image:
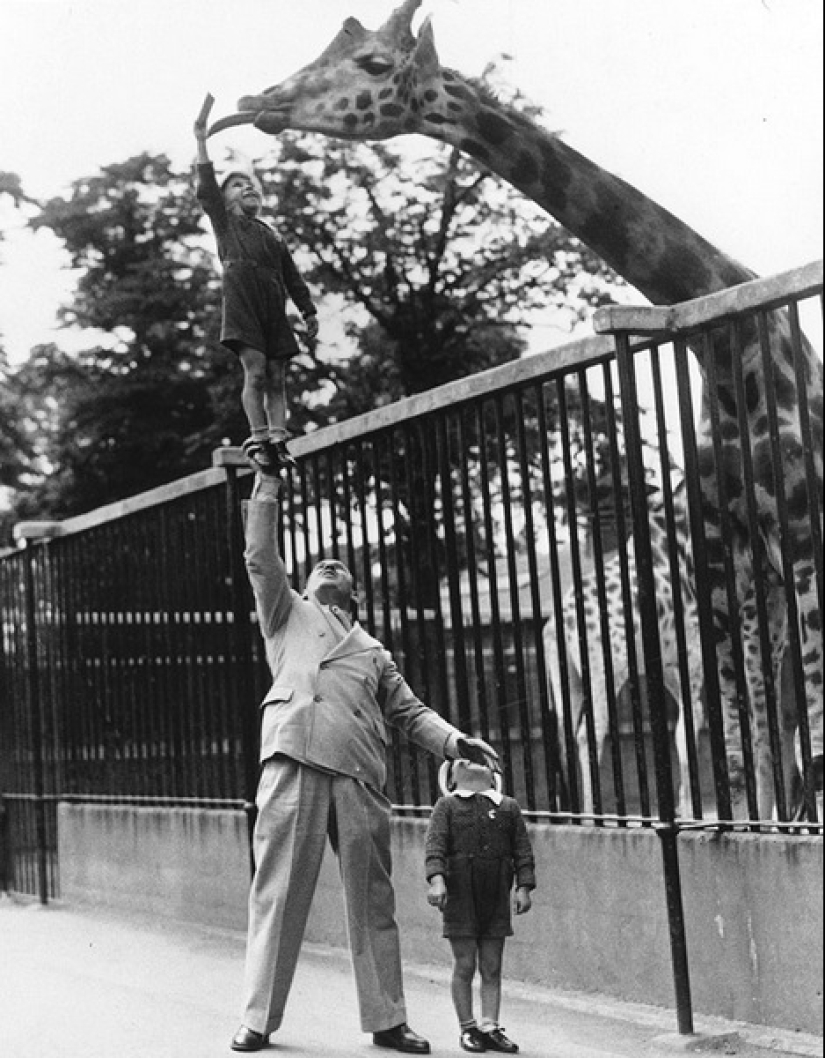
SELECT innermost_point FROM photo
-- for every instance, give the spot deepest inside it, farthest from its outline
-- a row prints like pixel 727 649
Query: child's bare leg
pixel 253 394
pixel 275 397
pixel 491 957
pixel 464 968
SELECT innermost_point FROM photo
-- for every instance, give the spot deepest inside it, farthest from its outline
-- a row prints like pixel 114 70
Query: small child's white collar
pixel 495 795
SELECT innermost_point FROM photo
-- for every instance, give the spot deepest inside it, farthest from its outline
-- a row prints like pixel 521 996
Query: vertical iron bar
pixel 668 833
pixel 36 722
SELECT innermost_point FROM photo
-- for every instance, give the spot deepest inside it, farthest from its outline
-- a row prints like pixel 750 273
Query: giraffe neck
pixel 646 244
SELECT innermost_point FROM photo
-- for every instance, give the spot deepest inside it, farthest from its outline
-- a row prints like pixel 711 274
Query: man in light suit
pixel 323 754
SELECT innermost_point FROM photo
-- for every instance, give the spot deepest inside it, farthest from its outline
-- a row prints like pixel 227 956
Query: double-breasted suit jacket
pixel 334 691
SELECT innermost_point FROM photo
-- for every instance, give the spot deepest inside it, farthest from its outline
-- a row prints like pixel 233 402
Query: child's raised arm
pixel 200 127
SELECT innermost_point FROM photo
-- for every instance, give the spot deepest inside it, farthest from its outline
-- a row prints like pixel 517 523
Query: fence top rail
pixel 518 372
pixel 35 532
pixel 724 304
pixel 639 320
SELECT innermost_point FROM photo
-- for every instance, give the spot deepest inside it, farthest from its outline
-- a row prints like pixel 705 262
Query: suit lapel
pixel 354 642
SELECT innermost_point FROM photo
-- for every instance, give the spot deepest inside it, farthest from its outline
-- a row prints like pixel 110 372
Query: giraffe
pixel 376 84
pixel 600 596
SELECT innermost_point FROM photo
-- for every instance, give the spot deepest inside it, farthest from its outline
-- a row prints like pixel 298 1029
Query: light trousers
pixel 298 809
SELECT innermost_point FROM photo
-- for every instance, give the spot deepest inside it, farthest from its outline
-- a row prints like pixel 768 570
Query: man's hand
pixel 437 895
pixel 478 751
pixel 523 901
pixel 267 487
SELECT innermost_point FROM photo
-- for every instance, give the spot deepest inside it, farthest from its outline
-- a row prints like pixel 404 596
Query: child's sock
pixel 487 1025
pixel 259 433
pixel 277 433
pixel 471 1024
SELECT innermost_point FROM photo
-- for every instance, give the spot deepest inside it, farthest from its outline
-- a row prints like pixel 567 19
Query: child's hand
pixel 523 901
pixel 203 117
pixel 437 896
pixel 311 323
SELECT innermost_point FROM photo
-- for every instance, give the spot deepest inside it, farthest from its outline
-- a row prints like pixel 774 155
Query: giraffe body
pixel 601 601
pixel 375 84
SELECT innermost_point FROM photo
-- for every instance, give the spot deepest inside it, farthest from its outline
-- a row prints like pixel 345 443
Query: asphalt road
pixel 78 983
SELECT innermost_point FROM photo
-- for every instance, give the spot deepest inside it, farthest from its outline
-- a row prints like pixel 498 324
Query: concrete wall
pixel 753 904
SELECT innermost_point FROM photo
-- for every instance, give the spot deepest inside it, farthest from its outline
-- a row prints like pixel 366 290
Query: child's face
pixel 242 194
pixel 470 776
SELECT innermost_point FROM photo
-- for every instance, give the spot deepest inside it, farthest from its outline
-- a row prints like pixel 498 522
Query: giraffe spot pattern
pixel 476 149
pixel 363 100
pixel 391 110
pixel 525 170
pixel 494 128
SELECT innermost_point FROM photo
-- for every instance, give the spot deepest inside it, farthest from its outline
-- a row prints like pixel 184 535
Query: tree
pixel 135 410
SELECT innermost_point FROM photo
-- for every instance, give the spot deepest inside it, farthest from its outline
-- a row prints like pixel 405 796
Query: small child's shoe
pixel 495 1040
pixel 281 454
pixel 259 455
pixel 473 1039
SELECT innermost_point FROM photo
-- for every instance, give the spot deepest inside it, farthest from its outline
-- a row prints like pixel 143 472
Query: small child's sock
pixel 487 1025
pixel 259 433
pixel 471 1024
pixel 277 433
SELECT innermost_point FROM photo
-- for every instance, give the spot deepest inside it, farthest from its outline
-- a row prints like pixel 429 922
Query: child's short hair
pixel 245 173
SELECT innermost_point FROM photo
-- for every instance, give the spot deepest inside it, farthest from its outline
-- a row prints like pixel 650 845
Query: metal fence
pixel 530 544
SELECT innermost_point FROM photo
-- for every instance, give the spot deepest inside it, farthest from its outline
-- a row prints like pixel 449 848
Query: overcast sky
pixel 712 107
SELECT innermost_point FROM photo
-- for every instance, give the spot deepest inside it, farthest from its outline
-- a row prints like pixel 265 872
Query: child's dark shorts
pixel 478 897
pixel 254 311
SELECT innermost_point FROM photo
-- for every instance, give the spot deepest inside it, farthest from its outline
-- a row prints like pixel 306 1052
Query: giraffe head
pixel 367 84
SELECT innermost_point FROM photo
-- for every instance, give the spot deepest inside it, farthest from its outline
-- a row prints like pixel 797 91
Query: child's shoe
pixel 281 454
pixel 472 1039
pixel 259 455
pixel 495 1040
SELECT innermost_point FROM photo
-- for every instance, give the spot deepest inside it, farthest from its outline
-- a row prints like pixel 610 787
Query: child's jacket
pixel 476 827
pixel 258 275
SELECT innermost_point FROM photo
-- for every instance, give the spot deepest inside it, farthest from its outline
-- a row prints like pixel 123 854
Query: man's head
pixel 332 584
pixel 242 193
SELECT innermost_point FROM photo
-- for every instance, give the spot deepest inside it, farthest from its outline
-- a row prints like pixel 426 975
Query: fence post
pixel 27 532
pixel 241 635
pixel 667 830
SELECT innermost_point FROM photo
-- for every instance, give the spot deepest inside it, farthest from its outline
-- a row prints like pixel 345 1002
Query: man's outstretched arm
pixel 264 564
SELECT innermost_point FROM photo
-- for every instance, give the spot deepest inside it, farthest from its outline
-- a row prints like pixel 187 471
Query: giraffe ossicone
pixel 375 84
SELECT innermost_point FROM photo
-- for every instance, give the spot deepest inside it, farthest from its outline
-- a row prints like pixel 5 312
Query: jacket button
pixel 318 698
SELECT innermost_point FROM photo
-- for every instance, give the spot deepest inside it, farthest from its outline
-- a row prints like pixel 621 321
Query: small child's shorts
pixel 478 897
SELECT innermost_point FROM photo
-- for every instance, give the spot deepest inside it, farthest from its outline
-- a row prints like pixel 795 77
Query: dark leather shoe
pixel 497 1041
pixel 472 1039
pixel 248 1040
pixel 401 1038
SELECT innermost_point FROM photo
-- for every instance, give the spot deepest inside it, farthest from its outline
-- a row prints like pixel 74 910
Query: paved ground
pixel 81 984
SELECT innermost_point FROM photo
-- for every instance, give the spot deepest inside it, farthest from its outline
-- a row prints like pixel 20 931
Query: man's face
pixel 331 583
pixel 242 194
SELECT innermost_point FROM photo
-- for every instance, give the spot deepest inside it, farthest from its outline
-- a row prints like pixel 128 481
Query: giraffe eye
pixel 374 66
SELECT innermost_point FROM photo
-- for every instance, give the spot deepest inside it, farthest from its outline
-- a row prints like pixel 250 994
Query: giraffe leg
pixel 810 697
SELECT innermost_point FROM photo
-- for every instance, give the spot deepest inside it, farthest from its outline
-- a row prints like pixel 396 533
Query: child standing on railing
pixel 477 846
pixel 258 274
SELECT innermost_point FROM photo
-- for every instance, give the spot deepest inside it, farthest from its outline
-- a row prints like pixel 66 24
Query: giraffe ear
pixel 426 56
